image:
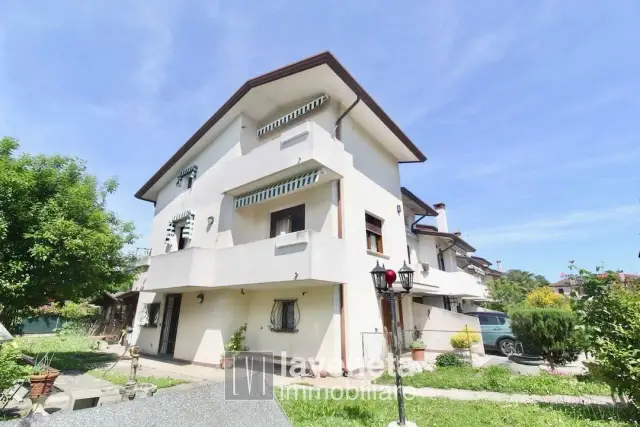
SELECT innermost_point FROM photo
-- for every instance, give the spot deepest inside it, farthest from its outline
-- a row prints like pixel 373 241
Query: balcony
pixel 308 256
pixel 302 148
pixel 438 282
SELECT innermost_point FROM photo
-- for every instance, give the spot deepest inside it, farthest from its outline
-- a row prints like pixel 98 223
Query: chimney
pixel 499 265
pixel 441 219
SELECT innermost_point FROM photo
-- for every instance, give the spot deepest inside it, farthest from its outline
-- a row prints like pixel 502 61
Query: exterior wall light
pixel 200 298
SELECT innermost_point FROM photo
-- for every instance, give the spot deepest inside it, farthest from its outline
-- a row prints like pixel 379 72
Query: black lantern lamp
pixel 378 275
pixel 406 277
pixel 383 281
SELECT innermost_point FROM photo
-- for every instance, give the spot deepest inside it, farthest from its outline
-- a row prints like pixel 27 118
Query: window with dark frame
pixel 374 233
pixel 446 302
pixel 561 291
pixel 287 221
pixel 153 314
pixel 182 241
pixel 190 182
pixel 285 316
pixel 440 260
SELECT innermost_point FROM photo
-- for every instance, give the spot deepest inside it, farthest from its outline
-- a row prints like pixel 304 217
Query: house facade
pixel 273 214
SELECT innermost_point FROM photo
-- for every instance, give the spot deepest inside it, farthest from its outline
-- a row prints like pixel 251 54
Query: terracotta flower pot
pixel 417 354
pixel 42 384
pixel 226 362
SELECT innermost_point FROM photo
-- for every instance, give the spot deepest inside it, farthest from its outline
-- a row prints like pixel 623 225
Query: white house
pixel 273 214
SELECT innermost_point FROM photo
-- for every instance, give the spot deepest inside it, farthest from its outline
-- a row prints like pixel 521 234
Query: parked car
pixel 496 331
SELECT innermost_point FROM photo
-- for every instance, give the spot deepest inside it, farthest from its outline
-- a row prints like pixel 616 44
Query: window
pixel 287 221
pixel 285 316
pixel 561 291
pixel 374 233
pixel 408 255
pixel 447 303
pixel 182 241
pixel 487 319
pixel 152 315
pixel 417 300
pixel 440 260
pixel 190 182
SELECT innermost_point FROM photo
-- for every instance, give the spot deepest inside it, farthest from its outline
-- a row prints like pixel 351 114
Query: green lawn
pixel 120 379
pixel 500 379
pixel 318 411
pixel 70 352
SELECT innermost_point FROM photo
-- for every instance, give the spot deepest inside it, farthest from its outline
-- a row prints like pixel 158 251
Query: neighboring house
pixel 274 213
pixel 434 251
pixel 571 285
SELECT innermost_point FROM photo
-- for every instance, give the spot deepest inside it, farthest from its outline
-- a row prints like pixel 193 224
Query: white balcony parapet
pixel 303 148
pixel 454 283
pixel 302 255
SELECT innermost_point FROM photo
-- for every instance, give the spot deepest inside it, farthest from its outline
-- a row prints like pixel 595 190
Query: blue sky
pixel 528 111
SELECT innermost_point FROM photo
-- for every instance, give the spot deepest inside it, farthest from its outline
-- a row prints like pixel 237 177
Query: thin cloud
pixel 562 227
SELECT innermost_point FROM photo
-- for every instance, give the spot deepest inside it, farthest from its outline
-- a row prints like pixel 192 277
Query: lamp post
pixel 383 282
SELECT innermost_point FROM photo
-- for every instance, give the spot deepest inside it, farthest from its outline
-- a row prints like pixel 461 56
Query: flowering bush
pixel 544 297
pixel 51 309
pixel 465 338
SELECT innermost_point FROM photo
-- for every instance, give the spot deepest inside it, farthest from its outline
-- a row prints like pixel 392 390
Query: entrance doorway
pixel 385 309
pixel 170 324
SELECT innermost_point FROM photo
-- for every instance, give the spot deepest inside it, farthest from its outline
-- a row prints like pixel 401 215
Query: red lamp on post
pixel 383 281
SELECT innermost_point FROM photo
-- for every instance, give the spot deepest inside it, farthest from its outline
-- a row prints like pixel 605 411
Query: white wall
pixel 204 328
pixel 439 325
pixel 319 326
pixel 147 338
pixel 372 186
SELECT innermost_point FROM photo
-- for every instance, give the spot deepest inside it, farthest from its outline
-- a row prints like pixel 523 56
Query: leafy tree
pixel 511 289
pixel 58 241
pixel 610 315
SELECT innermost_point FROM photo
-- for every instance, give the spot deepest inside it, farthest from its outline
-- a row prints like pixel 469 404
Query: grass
pixel 119 378
pixel 500 379
pixel 350 411
pixel 70 352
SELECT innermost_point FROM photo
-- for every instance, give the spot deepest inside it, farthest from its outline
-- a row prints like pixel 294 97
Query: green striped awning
pixel 279 189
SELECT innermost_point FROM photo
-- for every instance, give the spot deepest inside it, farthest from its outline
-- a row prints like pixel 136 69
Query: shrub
pixel 544 297
pixel 417 345
pixel 10 370
pixel 78 311
pixel 548 332
pixel 449 359
pixel 610 316
pixel 236 342
pixel 465 338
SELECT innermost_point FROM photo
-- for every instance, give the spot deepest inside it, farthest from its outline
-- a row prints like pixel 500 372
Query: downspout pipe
pixel 343 115
pixel 413 229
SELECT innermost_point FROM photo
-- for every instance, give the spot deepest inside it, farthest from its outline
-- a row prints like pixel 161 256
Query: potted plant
pixel 417 350
pixel 463 341
pixel 233 347
pixel 42 377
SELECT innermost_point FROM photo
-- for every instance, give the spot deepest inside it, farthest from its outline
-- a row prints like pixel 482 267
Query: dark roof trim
pixel 457 240
pixel 482 260
pixel 428 210
pixel 296 67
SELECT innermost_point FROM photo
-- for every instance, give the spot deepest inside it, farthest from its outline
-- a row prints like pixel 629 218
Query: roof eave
pixel 297 67
pixel 428 210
